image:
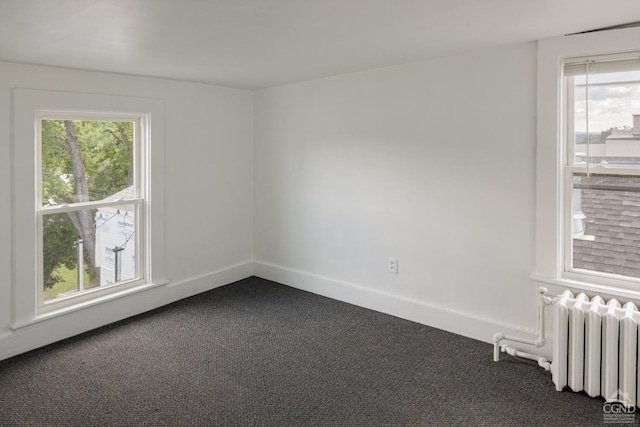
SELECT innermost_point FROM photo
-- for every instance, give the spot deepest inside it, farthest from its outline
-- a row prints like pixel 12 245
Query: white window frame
pixel 552 197
pixel 571 168
pixel 29 108
pixel 140 141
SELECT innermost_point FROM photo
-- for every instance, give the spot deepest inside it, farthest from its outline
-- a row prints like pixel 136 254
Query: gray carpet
pixel 256 353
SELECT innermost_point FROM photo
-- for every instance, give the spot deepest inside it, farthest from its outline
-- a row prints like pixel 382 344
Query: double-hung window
pixel 90 199
pixel 588 162
pixel 88 187
pixel 602 172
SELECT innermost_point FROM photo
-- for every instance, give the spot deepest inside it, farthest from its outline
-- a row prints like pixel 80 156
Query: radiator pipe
pixel 542 361
pixel 540 341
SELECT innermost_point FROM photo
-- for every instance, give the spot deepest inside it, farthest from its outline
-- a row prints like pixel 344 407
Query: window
pixel 88 210
pixel 602 172
pixel 89 204
pixel 588 162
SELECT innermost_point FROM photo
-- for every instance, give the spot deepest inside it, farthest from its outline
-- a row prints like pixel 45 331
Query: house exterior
pixel 115 242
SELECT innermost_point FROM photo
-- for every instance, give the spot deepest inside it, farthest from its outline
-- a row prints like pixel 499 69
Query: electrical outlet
pixel 393 265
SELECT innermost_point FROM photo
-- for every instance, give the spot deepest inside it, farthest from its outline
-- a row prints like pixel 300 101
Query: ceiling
pixel 253 44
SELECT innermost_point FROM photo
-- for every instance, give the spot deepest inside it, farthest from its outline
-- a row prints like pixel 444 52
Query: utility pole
pixel 80 246
pixel 118 258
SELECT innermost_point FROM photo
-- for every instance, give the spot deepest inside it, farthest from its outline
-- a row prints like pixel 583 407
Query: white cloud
pixel 610 105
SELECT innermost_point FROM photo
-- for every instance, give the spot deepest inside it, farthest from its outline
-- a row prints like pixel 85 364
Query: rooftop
pixel 613 218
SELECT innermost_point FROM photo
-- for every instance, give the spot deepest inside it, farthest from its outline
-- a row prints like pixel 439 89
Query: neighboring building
pixel 610 239
pixel 616 146
pixel 115 240
pixel 624 145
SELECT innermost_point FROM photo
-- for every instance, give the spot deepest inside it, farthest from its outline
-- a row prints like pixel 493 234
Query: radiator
pixel 595 347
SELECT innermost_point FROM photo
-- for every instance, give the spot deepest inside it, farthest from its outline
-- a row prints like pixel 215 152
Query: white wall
pixel 432 163
pixel 208 183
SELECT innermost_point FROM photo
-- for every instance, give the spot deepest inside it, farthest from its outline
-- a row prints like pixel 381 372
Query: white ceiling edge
pixel 254 44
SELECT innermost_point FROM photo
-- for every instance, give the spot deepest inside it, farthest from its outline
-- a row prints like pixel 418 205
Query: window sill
pixel 594 288
pixel 86 304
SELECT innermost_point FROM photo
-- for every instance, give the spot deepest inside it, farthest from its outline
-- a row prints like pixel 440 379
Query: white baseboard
pixel 457 322
pixel 43 333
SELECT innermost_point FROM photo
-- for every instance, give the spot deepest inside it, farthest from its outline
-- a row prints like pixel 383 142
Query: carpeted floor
pixel 256 353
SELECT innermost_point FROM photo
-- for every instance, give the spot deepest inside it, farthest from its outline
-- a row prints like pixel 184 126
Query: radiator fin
pixel 561 344
pixel 609 367
pixel 596 347
pixel 576 344
pixel 628 353
pixel 593 348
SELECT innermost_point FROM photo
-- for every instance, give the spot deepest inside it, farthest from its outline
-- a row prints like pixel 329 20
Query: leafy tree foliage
pixel 81 161
pixel 59 237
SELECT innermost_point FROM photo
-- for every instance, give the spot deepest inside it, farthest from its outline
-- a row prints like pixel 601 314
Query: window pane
pixel 85 160
pixel 606 224
pixel 99 242
pixel 605 108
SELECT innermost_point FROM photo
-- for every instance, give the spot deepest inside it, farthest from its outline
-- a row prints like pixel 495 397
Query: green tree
pixel 81 161
pixel 59 236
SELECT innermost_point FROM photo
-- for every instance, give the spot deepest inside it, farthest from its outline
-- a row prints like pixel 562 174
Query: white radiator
pixel 595 347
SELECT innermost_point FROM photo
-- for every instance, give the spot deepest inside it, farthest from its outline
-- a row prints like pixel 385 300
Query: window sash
pixel 569 271
pixel 88 294
pixel 138 154
pixel 577 66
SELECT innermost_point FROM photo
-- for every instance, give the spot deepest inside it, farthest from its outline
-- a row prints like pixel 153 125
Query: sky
pixel 613 99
